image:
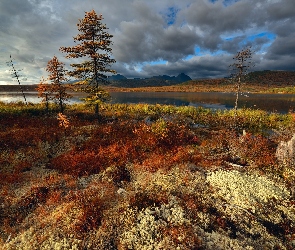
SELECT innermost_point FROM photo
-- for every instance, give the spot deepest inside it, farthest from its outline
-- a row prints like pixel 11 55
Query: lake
pixel 281 103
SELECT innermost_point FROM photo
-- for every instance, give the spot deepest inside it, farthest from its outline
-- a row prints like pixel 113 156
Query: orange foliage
pixel 120 143
pixel 255 149
pixel 91 202
pixel 124 146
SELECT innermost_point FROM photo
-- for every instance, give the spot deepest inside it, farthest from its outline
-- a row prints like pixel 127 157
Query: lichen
pixel 246 190
pixel 30 239
pixel 146 233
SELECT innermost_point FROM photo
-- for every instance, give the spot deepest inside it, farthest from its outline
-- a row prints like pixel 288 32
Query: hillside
pixel 265 78
pixel 270 78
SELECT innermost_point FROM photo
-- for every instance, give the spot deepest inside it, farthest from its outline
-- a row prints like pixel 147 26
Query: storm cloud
pixel 196 37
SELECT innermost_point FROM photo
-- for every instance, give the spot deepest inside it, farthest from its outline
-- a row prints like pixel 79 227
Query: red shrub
pixel 255 149
pixel 125 142
pixel 91 202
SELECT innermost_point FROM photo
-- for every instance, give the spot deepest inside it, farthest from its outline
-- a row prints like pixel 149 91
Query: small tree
pixel 56 90
pixel 240 69
pixel 44 91
pixel 93 42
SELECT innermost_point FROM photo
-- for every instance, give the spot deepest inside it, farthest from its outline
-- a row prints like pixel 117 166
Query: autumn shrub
pixel 9 178
pixel 171 158
pixel 19 138
pixel 92 202
pixel 227 146
pixel 123 142
pixel 254 150
pixel 13 213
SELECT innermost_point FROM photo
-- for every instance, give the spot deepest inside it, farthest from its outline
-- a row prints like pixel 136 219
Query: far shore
pixel 184 87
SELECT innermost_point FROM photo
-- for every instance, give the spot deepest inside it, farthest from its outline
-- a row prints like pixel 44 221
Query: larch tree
pixel 44 92
pixel 93 43
pixel 57 89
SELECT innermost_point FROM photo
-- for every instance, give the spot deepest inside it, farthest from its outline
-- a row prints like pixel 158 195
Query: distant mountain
pixel 116 77
pixel 163 77
pixel 161 80
pixel 183 78
pixel 179 79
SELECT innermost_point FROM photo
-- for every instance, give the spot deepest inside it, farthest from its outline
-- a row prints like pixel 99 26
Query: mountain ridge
pixel 160 80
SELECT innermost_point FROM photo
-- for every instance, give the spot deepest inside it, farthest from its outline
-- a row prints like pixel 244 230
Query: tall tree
pixel 57 89
pixel 93 42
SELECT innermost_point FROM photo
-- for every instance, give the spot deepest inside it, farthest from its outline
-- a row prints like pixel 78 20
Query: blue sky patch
pixel 170 15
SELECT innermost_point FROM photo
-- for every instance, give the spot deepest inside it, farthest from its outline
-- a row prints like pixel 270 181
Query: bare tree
pixel 240 68
pixel 16 75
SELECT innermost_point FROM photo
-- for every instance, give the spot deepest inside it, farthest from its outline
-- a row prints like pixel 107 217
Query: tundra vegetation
pixel 143 176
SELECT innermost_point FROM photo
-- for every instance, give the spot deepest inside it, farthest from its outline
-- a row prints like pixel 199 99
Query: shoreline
pixel 185 87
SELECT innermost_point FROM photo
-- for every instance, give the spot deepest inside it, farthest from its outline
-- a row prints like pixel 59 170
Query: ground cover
pixel 210 86
pixel 146 177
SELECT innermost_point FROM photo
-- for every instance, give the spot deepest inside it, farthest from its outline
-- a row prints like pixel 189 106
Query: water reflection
pixel 31 97
pixel 213 100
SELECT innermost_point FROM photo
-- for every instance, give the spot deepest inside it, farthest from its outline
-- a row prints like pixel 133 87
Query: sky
pixel 150 37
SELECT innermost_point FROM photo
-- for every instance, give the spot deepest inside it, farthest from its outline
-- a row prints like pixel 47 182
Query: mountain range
pixel 161 80
pixel 267 77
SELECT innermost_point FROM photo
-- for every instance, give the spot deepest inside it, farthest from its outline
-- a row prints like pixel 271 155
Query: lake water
pixel 281 103
pixel 213 100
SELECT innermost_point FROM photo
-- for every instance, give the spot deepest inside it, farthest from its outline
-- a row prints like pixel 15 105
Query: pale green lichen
pixel 217 241
pixel 246 190
pixel 204 219
pixel 30 240
pixel 146 232
pixel 288 210
pixel 178 179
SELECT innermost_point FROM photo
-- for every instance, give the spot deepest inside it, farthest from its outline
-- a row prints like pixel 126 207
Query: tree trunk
pixel 61 105
pixel 46 103
pixel 97 110
pixel 237 97
pixel 236 103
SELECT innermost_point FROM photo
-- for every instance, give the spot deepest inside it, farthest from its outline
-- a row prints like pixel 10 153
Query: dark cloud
pixel 280 10
pixel 197 37
pixel 215 17
pixel 197 67
pixel 282 46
